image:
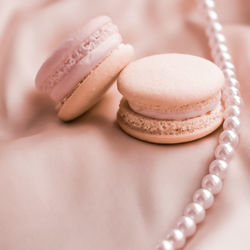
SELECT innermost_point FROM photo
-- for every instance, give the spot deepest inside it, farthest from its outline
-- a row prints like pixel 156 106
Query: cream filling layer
pixel 175 115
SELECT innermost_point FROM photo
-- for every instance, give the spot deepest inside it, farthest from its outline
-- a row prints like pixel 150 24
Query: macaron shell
pixel 170 80
pixel 70 62
pixel 91 89
pixel 168 131
pixel 66 49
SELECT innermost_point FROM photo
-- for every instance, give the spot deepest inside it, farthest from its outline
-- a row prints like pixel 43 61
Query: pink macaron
pixel 83 67
pixel 170 98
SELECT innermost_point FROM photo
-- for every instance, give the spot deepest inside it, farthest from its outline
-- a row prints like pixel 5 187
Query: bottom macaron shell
pixel 90 90
pixel 168 131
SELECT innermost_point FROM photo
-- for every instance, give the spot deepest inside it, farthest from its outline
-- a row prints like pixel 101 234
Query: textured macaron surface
pixel 76 56
pixel 168 131
pixel 170 81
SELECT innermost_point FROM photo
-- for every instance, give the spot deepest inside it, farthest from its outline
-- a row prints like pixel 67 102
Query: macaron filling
pixel 175 115
pixel 91 49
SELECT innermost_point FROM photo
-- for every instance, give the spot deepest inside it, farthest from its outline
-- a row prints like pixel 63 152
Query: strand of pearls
pixel 212 183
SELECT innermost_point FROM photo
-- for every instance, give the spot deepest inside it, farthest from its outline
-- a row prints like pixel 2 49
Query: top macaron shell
pixel 58 75
pixel 170 80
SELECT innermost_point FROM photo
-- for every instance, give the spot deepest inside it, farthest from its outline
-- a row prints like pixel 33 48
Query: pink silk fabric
pixel 86 184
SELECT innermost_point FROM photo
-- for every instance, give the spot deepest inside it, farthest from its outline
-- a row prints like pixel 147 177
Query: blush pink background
pixel 86 184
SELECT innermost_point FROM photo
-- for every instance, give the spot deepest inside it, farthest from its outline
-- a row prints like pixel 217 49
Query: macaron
pixel 83 67
pixel 170 98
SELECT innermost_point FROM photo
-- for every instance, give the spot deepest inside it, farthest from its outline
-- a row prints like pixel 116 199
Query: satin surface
pixel 86 184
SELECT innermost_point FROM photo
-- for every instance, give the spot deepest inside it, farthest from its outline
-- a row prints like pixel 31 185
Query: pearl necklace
pixel 211 184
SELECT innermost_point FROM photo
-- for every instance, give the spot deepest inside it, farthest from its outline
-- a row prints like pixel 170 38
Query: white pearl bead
pixel 177 238
pixel 204 197
pixel 213 28
pixel 195 211
pixel 165 245
pixel 224 152
pixel 229 136
pixel 222 48
pixel 232 123
pixel 232 111
pixel 219 168
pixel 231 90
pixel 217 49
pixel 233 82
pixel 212 15
pixel 225 56
pixel 216 26
pixel 228 72
pixel 212 182
pixel 233 100
pixel 209 4
pixel 220 37
pixel 186 225
pixel 227 65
